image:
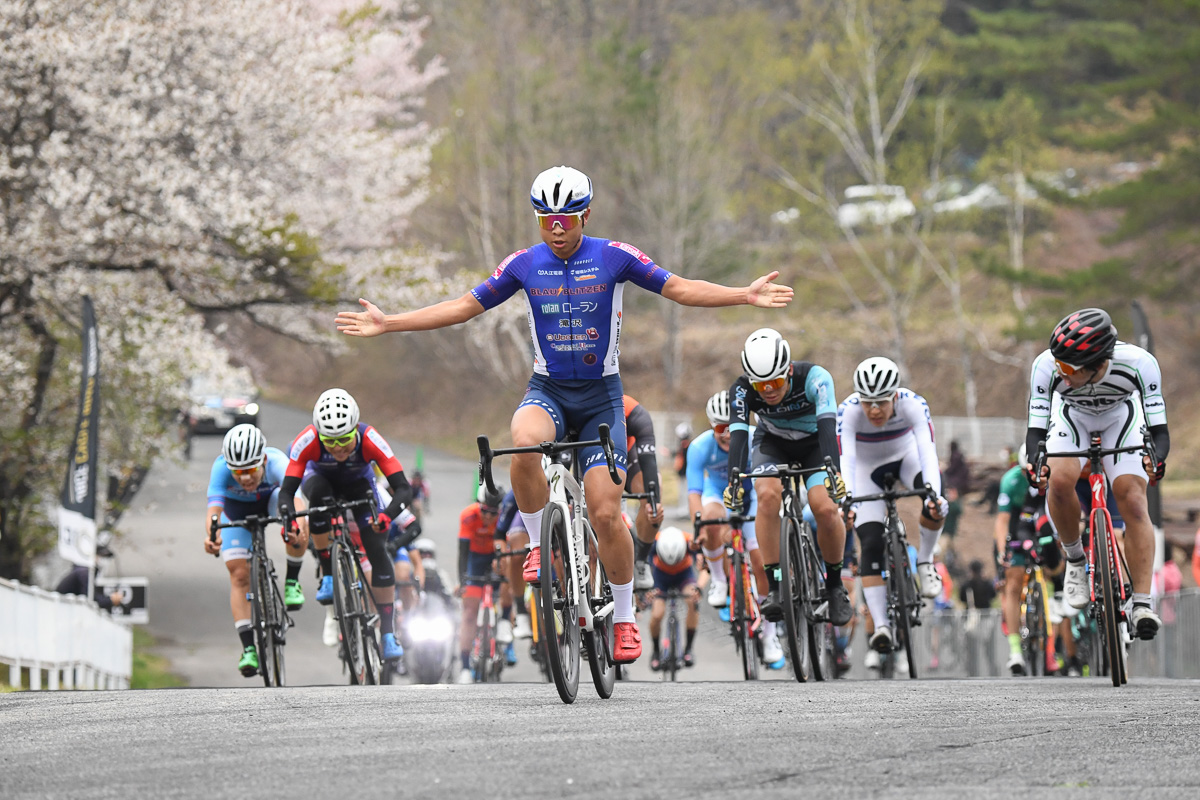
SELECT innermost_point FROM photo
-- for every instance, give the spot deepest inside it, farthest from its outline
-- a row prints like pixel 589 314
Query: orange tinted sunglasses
pixel 775 383
pixel 1067 369
pixel 720 427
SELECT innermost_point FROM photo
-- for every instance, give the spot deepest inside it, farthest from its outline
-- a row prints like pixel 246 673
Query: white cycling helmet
pixel 671 546
pixel 425 547
pixel 876 378
pixel 561 190
pixel 718 408
pixel 244 446
pixel 683 431
pixel 335 413
pixel 766 355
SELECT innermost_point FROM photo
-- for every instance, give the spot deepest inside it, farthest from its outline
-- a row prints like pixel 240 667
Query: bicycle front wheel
pixel 560 604
pixel 901 597
pixel 820 631
pixel 1034 641
pixel 671 652
pixel 792 586
pixel 1110 603
pixel 260 600
pixel 347 607
pixel 277 625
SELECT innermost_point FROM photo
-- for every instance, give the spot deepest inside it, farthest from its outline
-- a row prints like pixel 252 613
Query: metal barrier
pixel 67 637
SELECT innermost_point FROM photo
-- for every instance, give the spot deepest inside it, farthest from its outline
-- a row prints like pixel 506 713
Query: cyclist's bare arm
pixel 372 322
pixel 762 293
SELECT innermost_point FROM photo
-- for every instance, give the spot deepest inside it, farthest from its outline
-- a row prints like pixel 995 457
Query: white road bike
pixel 575 598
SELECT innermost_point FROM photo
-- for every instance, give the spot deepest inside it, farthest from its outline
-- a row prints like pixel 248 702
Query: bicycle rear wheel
pixel 599 640
pixel 820 633
pixel 792 586
pixel 1110 605
pixel 346 604
pixel 560 611
pixel 1033 643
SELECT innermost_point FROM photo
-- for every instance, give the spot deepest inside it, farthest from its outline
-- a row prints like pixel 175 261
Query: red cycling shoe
pixel 627 646
pixel 533 566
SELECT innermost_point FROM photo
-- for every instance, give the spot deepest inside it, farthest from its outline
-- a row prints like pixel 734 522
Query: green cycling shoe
pixel 293 595
pixel 249 663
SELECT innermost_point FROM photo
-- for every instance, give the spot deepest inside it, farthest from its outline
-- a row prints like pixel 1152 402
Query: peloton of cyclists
pixel 707 476
pixel 1085 382
pixel 884 429
pixel 245 480
pixel 332 459
pixel 574 286
pixel 797 424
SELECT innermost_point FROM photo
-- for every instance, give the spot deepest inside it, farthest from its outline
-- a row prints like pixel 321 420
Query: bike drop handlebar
pixel 1095 452
pixel 550 449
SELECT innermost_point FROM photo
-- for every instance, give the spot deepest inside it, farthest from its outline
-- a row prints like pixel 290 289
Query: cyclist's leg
pixel 1010 606
pixel 1068 432
pixel 318 492
pixel 472 595
pixel 657 611
pixel 691 594
pixel 514 570
pixel 539 418
pixel 1129 481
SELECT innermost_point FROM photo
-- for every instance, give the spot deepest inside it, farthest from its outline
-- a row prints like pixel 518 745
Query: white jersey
pixel 910 427
pixel 1131 371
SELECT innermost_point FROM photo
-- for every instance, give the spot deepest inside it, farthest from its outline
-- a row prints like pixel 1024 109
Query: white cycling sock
pixel 1074 551
pixel 533 525
pixel 876 597
pixel 929 539
pixel 622 602
pixel 769 629
pixel 714 563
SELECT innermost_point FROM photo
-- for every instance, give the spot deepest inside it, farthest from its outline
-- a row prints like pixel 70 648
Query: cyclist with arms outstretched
pixel 1088 382
pixel 574 286
pixel 245 481
pixel 797 424
pixel 332 459
pixel 884 428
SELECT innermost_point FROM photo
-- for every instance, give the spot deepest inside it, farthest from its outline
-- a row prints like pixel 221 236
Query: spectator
pixel 953 512
pixel 978 591
pixel 76 582
pixel 957 475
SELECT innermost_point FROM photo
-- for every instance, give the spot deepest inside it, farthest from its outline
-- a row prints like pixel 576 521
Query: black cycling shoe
pixel 840 610
pixel 771 608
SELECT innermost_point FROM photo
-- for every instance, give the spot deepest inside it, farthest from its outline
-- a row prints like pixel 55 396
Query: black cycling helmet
pixel 1084 338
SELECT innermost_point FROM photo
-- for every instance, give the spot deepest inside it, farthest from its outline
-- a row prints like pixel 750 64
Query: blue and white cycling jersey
pixel 708 465
pixel 574 306
pixel 223 486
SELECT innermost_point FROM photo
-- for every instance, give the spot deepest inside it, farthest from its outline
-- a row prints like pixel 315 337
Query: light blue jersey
pixel 223 486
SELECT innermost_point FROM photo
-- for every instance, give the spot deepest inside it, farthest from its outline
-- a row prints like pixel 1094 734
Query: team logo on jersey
pixel 591 276
pixel 302 442
pixel 633 251
pixel 500 269
pixel 592 333
pixel 550 308
pixel 380 442
pixel 589 359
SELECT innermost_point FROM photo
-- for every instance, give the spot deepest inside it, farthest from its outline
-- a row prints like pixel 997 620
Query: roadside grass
pixel 150 671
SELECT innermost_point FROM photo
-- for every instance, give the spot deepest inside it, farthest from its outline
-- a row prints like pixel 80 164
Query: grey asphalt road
pixel 189 590
pixel 927 739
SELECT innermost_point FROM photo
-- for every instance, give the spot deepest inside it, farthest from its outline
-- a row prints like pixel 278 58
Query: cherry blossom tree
pixel 175 159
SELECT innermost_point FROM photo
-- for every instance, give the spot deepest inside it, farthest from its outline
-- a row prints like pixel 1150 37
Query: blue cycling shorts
pixel 582 406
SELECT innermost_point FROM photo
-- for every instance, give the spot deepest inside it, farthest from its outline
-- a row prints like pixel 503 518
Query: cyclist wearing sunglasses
pixel 333 458
pixel 884 428
pixel 245 480
pixel 643 471
pixel 1087 382
pixel 797 424
pixel 573 285
pixel 707 476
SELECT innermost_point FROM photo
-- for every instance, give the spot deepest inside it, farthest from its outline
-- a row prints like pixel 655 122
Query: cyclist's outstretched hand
pixel 362 323
pixel 764 294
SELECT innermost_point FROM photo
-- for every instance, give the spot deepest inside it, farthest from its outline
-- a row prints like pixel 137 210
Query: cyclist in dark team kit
pixel 573 285
pixel 333 457
pixel 643 471
pixel 797 424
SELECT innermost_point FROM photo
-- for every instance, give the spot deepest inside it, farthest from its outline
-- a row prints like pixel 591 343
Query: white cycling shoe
pixel 643 578
pixel 773 653
pixel 931 581
pixel 329 633
pixel 718 594
pixel 871 661
pixel 881 640
pixel 524 628
pixel 1075 585
pixel 504 631
pixel 464 677
pixel 1145 622
pixel 1016 664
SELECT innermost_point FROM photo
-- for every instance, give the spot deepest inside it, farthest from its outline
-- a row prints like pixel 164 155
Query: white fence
pixel 68 638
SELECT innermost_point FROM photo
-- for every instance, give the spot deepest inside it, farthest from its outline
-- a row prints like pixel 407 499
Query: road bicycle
pixel 1035 629
pixel 745 620
pixel 487 657
pixel 802 590
pixel 671 641
pixel 903 598
pixel 1109 588
pixel 576 601
pixel 268 614
pixel 354 606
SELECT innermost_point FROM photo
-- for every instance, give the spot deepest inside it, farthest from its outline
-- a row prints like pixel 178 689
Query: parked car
pixel 216 406
pixel 874 205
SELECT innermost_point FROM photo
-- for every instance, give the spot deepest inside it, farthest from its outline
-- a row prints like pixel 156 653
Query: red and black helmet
pixel 1084 338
